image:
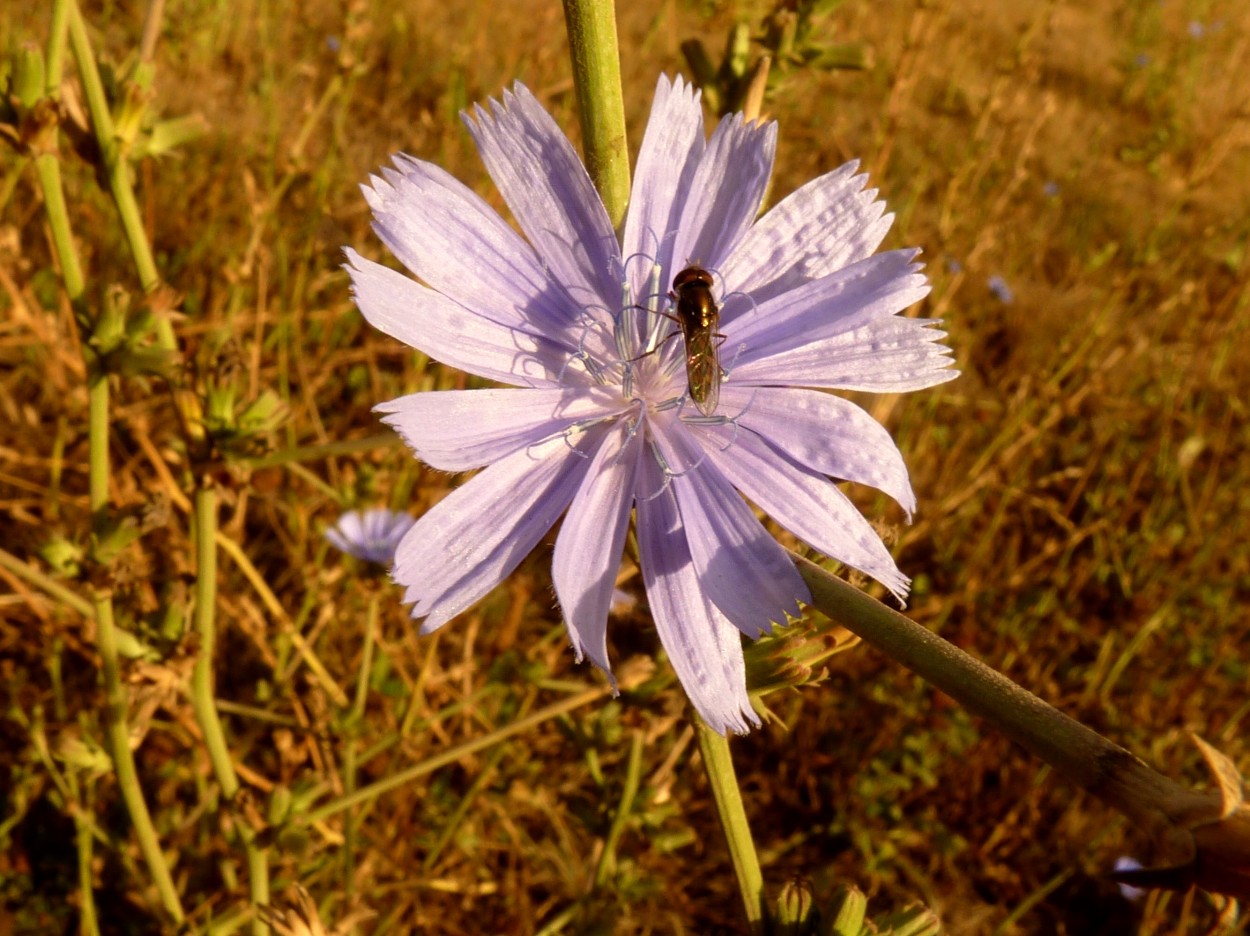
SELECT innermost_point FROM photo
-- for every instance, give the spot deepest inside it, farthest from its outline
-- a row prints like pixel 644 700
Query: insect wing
pixel 698 316
pixel 703 368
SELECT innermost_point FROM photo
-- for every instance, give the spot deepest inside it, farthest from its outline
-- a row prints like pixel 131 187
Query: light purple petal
pixel 890 355
pixel 475 536
pixel 423 319
pixel 743 570
pixel 588 548
pixel 704 648
pixel 875 288
pixel 806 503
pixel 725 193
pixel 670 154
pixel 550 194
pixel 826 433
pixel 459 246
pixel 829 223
pixel 458 430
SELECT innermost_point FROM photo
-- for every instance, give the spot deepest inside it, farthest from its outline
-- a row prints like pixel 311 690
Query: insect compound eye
pixel 690 276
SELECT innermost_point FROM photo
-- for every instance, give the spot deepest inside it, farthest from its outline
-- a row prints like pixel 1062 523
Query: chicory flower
pixel 595 421
pixel 372 536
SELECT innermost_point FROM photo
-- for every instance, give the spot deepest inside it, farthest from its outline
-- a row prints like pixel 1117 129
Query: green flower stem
pixel 274 607
pixel 629 790
pixel 65 596
pixel 1082 755
pixel 115 165
pixel 591 25
pixel 307 453
pixel 366 659
pixel 118 731
pixel 48 169
pixel 55 59
pixel 350 761
pixel 733 818
pixel 118 734
pixel 88 924
pixel 484 776
pixel 202 697
pixel 451 755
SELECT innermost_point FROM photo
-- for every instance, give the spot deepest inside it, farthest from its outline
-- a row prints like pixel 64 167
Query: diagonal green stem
pixel 733 819
pixel 591 26
pixel 66 596
pixel 633 777
pixel 1082 755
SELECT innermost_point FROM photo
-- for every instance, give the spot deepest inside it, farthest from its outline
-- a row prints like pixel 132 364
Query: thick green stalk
pixel 733 819
pixel 591 26
pixel 1080 754
pixel 202 696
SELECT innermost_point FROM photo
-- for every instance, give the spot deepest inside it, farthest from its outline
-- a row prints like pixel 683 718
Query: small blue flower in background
pixel 622 601
pixel 1050 189
pixel 594 422
pixel 1128 891
pixel 1197 29
pixel 371 536
pixel 998 286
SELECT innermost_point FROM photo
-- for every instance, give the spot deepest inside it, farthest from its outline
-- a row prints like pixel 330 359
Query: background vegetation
pixel 1083 485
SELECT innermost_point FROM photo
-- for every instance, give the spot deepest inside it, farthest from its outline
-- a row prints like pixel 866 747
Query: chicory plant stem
pixel 118 733
pixel 714 747
pixel 1079 753
pixel 117 729
pixel 591 26
pixel 353 722
pixel 202 695
pixel 116 168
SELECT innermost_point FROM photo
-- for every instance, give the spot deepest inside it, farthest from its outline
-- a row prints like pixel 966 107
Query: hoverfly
pixel 698 317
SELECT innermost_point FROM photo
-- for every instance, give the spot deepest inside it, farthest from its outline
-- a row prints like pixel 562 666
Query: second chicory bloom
pixel 595 422
pixel 372 536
